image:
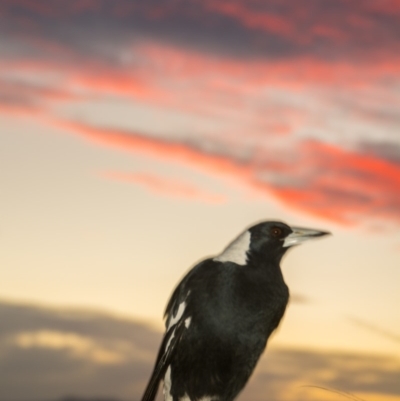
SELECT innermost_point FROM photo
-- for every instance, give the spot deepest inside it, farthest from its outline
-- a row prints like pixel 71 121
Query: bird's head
pixel 274 238
pixel 266 239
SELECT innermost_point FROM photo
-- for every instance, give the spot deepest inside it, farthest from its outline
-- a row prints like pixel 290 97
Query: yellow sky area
pixel 72 238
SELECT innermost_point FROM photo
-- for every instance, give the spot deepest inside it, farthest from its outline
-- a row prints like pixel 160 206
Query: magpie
pixel 221 315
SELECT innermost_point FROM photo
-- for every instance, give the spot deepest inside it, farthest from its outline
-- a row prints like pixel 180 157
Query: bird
pixel 221 315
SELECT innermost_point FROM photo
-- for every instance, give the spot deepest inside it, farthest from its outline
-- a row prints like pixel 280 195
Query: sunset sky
pixel 137 138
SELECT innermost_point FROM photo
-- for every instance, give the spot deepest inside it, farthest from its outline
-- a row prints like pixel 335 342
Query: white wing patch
pixel 167 385
pixel 236 251
pixel 175 318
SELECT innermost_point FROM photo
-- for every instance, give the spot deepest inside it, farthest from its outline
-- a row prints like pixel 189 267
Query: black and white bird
pixel 221 315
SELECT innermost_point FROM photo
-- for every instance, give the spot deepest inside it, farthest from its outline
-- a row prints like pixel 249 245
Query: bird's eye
pixel 276 232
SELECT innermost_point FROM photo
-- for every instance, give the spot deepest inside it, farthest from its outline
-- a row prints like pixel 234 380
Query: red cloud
pixel 252 19
pixel 162 150
pixel 193 82
pixel 166 186
pixel 316 178
pixel 323 180
pixel 313 177
pixel 105 82
pixel 343 185
pixel 19 110
pixel 305 22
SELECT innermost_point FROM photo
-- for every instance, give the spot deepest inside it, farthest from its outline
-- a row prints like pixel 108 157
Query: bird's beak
pixel 300 235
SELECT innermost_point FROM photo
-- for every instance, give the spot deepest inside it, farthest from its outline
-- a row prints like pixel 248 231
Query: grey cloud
pixel 51 373
pixel 386 150
pixel 331 29
pixel 21 318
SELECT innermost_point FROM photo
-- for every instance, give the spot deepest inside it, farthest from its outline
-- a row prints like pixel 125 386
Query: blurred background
pixel 137 138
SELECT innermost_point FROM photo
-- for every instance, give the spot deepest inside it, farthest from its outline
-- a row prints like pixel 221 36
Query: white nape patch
pixel 175 318
pixel 167 385
pixel 187 322
pixel 236 251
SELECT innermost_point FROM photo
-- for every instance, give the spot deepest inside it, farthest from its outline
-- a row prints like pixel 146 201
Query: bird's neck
pixel 266 268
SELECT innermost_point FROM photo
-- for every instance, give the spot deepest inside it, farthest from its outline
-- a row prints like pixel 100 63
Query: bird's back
pixel 228 329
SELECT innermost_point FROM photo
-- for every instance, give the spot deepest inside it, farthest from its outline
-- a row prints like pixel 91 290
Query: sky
pixel 137 138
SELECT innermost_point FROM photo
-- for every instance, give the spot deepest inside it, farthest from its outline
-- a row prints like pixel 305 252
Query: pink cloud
pixel 313 177
pixel 166 187
pixel 252 19
pixel 229 91
pixel 319 179
pixel 343 185
pixel 164 150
